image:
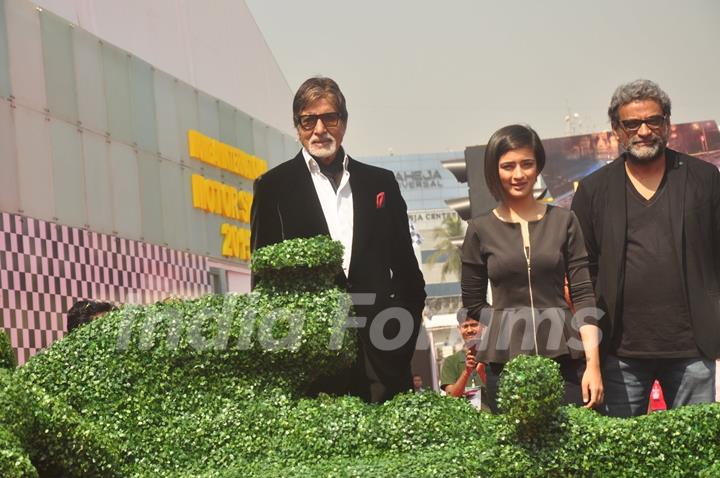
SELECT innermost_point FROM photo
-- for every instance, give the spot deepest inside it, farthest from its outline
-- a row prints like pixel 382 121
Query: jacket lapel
pixel 305 198
pixel 676 181
pixel 617 209
pixel 361 209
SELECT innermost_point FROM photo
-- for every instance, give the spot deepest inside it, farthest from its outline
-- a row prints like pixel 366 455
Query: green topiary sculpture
pixel 530 392
pixel 213 387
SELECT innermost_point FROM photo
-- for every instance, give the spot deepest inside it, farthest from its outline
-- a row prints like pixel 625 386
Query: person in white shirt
pixel 322 190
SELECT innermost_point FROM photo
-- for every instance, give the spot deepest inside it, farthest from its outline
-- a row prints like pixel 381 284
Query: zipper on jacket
pixel 528 256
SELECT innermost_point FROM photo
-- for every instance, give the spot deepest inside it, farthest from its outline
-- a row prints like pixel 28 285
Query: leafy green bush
pixel 530 392
pixel 213 387
pixel 57 440
pixel 711 471
pixel 7 354
pixel 13 459
pixel 299 263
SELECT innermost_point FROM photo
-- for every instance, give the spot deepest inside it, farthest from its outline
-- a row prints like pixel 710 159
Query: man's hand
pixel 470 362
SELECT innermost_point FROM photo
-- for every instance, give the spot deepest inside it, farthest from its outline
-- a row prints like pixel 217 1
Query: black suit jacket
pixel 694 189
pixel 286 206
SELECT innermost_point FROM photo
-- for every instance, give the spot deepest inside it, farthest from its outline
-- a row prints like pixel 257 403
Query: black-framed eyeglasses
pixel 653 122
pixel 308 122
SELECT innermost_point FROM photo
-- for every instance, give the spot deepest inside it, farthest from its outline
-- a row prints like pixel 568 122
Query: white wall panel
pixel 125 191
pixel 69 173
pixel 59 64
pixel 35 165
pixel 88 78
pixel 151 198
pixel 9 194
pixel 96 152
pixel 173 205
pixel 4 59
pixel 27 74
pixel 116 74
pixel 215 46
pixel 167 116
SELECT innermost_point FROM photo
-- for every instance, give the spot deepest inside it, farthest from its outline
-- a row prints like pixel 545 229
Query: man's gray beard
pixel 641 153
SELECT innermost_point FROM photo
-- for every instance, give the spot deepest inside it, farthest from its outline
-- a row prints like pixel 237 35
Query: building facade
pixel 119 181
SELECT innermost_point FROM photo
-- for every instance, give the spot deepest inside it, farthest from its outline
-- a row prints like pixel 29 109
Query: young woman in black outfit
pixel 527 250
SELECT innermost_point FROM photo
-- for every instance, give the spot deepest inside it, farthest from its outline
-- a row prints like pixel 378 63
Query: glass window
pixel 143 105
pixel 97 184
pixel 35 168
pixel 150 198
pixel 116 73
pixel 57 42
pixel 167 116
pixel 69 173
pixel 90 88
pixel 27 75
pixel 9 194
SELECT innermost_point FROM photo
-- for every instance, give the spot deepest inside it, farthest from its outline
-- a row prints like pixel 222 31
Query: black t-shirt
pixel 655 320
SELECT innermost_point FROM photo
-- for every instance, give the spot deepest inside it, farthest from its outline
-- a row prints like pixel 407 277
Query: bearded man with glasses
pixel 322 190
pixel 651 221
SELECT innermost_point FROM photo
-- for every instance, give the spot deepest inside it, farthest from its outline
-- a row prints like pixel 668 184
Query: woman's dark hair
pixel 509 138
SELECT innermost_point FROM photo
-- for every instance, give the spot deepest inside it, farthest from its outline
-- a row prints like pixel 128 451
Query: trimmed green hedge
pixel 212 387
pixel 711 471
pixel 529 395
pixel 309 264
pixel 7 354
pixel 56 439
pixel 14 461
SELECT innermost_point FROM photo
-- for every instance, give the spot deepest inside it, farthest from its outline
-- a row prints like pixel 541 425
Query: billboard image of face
pixel 571 158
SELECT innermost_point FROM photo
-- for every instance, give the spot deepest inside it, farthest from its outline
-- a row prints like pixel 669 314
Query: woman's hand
pixel 592 386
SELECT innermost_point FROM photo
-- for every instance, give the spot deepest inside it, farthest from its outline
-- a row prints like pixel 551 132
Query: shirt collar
pixel 312 162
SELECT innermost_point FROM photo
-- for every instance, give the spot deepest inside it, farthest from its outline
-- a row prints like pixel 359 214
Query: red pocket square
pixel 380 200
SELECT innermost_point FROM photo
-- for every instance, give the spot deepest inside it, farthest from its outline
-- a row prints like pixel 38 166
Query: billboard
pixel 572 158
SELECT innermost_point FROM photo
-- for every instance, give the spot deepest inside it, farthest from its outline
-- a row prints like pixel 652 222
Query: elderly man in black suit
pixel 324 191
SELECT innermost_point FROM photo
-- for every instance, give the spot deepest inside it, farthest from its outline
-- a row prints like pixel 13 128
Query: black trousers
pixel 362 380
pixel 571 370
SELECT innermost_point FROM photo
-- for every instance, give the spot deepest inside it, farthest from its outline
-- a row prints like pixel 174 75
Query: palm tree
pixel 447 236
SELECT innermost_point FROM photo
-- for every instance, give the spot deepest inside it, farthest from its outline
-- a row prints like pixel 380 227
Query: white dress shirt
pixel 337 205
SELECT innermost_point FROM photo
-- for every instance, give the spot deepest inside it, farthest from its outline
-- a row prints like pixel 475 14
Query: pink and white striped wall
pixel 46 267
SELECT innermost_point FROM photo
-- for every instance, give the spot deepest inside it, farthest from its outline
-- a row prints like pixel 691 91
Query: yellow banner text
pixel 236 242
pixel 218 198
pixel 224 156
